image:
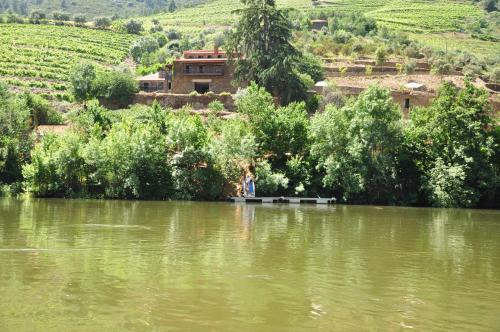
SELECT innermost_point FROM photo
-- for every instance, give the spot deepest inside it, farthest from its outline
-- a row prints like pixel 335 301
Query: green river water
pixel 71 265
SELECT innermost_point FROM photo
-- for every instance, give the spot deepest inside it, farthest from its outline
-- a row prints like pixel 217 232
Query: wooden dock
pixel 284 200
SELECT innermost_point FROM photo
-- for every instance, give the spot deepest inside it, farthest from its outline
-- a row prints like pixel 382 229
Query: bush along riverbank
pixel 360 150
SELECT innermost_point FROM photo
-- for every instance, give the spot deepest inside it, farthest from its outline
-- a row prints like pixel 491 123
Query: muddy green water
pixel 155 266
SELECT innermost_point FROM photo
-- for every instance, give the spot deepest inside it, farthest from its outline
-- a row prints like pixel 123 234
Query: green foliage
pixel 357 147
pixel 234 148
pixel 41 112
pixel 80 19
pixel 262 42
pixel 115 87
pixel 51 52
pixel 131 162
pixel 133 27
pixel 102 22
pixel 56 166
pixel 82 78
pixel 279 131
pixel 381 55
pixel 143 46
pixel 454 148
pixel 268 182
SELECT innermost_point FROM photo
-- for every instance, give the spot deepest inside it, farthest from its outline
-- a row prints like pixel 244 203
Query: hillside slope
pixel 431 22
pixel 40 57
pixel 418 15
pixel 93 8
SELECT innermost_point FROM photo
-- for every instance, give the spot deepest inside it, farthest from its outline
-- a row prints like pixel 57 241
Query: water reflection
pixel 215 266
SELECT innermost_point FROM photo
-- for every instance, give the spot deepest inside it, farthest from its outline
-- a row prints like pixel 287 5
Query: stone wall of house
pixel 177 101
pixel 416 99
pixel 183 84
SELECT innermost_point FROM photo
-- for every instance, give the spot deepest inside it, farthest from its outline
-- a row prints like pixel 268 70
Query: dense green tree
pixel 102 22
pixel 143 46
pixel 172 7
pixel 115 88
pixel 358 145
pixel 279 131
pixel 131 162
pixel 453 146
pixel 133 27
pixel 80 19
pixel 234 148
pixel 15 135
pixel 56 167
pixel 262 44
pixel 82 78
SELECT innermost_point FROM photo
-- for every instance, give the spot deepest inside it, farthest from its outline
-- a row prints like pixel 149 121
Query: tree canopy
pixel 262 43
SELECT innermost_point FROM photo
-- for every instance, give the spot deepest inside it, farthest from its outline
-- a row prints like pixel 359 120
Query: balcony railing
pixel 204 71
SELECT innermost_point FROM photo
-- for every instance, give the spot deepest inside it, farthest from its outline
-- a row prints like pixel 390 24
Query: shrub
pixel 381 55
pixel 341 36
pixel 117 88
pixel 441 66
pixel 36 17
pixel 216 106
pixel 102 22
pixel 63 17
pixel 173 34
pixel 80 19
pixel 269 182
pixel 133 27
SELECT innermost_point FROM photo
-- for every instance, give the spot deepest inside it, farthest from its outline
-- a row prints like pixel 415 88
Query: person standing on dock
pixel 250 185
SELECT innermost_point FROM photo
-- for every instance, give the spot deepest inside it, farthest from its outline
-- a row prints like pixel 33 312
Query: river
pixel 76 265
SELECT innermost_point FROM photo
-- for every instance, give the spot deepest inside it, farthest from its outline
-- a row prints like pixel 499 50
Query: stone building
pixel 203 71
pixel 155 82
pixel 198 70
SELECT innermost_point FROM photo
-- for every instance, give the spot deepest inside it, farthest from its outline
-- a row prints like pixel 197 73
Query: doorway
pixel 201 88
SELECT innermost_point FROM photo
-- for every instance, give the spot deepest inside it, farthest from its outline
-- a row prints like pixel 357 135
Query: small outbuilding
pixel 319 24
pixel 154 83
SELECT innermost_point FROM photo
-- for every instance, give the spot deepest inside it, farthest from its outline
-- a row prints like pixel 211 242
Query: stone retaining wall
pixel 177 101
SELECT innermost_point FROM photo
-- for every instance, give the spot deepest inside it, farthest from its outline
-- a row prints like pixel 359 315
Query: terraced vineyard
pixel 427 20
pixel 40 57
pixel 413 16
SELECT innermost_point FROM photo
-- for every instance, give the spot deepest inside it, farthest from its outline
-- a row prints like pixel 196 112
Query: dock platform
pixel 283 200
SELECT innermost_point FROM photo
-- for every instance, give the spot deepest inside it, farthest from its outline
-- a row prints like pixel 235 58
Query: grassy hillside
pixel 93 8
pixel 427 19
pixel 41 56
pixel 419 15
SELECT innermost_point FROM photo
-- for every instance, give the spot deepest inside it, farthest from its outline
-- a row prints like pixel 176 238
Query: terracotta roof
pixel 204 52
pixel 212 60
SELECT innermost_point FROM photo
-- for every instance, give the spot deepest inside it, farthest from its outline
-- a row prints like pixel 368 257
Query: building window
pixel 169 86
pixel 201 69
pixel 201 88
pixel 407 103
pixel 160 86
pixel 188 69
